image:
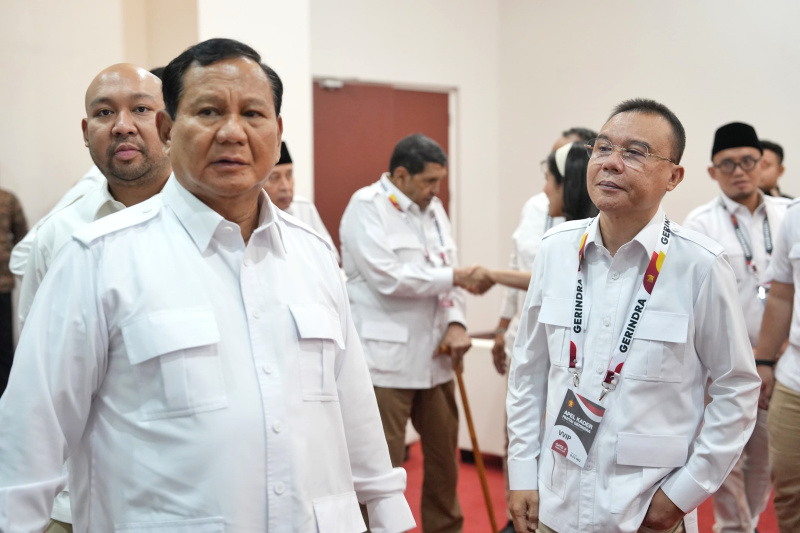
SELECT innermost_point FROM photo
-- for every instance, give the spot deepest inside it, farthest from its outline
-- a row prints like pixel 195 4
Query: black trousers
pixel 6 339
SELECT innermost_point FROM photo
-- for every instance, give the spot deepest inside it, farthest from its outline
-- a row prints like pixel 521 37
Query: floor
pixel 476 519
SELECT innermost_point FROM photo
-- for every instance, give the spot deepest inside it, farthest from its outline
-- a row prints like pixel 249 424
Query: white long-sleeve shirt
pixel 56 231
pixel 785 268
pixel 655 432
pixel 305 211
pixel 91 181
pixel 526 239
pixel 399 269
pixel 196 383
pixel 714 220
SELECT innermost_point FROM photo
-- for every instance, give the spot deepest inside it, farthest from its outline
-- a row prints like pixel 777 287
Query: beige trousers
pixel 783 424
pixel 58 527
pixel 434 414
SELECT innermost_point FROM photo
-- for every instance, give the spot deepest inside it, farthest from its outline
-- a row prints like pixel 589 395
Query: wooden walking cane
pixel 476 451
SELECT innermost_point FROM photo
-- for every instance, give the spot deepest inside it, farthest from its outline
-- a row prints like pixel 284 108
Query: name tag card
pixel 576 428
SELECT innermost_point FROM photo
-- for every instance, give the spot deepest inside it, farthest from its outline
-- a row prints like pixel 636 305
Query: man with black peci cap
pixel 280 188
pixel 745 222
pixel 615 357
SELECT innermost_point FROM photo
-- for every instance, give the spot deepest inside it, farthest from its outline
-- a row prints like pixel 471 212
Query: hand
pixel 476 279
pixel 662 513
pixel 524 508
pixel 455 343
pixel 767 375
pixel 499 353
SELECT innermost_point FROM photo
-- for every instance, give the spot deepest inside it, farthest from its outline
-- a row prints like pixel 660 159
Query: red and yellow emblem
pixel 651 274
pixel 570 403
pixel 580 250
pixel 395 203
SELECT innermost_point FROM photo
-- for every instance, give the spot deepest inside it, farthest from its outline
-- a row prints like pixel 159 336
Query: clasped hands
pixel 476 279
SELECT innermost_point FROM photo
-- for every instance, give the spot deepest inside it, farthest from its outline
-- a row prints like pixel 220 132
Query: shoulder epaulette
pixel 132 216
pixel 290 220
pixel 570 225
pixel 704 241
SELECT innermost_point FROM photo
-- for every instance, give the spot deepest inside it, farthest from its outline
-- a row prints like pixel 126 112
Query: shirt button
pixel 589 465
pixel 277 427
pixel 279 488
pixel 598 369
pixel 256 313
pixel 247 262
pixel 267 368
pixel 615 275
pixel 606 321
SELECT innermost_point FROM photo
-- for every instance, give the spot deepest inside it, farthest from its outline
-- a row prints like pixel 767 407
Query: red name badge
pixel 576 428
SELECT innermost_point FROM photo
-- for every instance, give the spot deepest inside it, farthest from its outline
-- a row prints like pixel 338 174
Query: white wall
pixel 712 62
pixel 432 42
pixel 279 31
pixel 49 52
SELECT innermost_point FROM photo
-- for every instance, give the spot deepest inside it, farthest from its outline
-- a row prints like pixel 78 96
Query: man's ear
pixel 401 175
pixel 85 128
pixel 780 170
pixel 712 173
pixel 164 126
pixel 280 137
pixel 676 177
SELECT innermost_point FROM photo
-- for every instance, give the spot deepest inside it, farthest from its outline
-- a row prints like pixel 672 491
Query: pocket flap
pixel 160 332
pixel 661 326
pixel 384 331
pixel 339 513
pixel 397 241
pixel 657 451
pixel 558 312
pixel 315 321
pixel 192 525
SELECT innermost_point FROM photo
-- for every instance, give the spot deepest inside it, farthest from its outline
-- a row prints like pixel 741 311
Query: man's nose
pixel 614 163
pixel 124 124
pixel 232 130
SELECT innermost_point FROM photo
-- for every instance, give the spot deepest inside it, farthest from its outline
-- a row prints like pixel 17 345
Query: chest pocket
pixel 319 333
pixel 175 356
pixel 658 347
pixel 406 246
pixel 557 316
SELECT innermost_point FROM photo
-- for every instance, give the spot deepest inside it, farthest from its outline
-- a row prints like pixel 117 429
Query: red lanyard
pixel 578 331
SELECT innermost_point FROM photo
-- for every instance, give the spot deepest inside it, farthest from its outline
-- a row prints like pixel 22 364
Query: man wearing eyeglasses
pixel 627 317
pixel 745 222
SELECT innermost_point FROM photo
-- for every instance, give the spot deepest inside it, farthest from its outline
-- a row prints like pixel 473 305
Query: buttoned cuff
pixel 443 279
pixel 523 475
pixel 390 514
pixel 456 314
pixel 684 491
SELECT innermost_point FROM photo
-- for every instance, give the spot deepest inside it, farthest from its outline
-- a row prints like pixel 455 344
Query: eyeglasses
pixel 635 155
pixel 728 166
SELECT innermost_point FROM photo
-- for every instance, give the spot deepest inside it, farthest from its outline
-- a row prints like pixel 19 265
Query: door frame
pixel 453 159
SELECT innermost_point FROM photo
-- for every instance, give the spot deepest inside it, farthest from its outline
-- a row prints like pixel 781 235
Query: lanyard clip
pixel 576 377
pixel 607 387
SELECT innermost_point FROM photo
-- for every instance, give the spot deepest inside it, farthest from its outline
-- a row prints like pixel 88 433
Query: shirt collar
pixel 647 237
pixel 99 198
pixel 733 206
pixel 403 202
pixel 201 222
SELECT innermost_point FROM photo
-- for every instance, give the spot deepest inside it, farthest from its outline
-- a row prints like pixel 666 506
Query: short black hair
pixel 584 134
pixel 773 147
pixel 207 53
pixel 414 151
pixel 645 105
pixel 577 203
pixel 158 72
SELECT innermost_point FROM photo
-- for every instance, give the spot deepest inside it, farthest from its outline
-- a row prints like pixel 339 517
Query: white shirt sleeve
pixel 379 486
pixel 59 364
pixel 724 349
pixel 780 268
pixel 510 295
pixel 35 269
pixel 365 237
pixel 527 390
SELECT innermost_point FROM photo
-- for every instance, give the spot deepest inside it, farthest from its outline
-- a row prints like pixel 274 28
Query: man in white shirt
pixel 120 132
pixel 280 188
pixel 745 222
pixel 780 388
pixel 626 445
pixel 194 355
pixel 400 260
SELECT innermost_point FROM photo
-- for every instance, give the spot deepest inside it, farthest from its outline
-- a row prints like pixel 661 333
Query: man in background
pixel 280 188
pixel 772 169
pixel 404 285
pixel 12 229
pixel 745 222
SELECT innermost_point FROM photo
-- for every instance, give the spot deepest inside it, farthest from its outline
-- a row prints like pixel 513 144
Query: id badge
pixel 576 428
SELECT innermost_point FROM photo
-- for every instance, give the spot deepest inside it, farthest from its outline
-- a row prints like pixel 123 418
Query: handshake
pixel 476 279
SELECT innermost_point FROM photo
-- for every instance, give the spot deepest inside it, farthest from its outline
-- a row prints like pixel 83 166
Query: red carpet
pixel 476 519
